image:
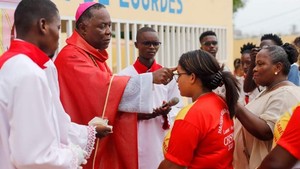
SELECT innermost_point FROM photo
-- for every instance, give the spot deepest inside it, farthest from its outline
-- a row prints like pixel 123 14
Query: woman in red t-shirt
pixel 202 135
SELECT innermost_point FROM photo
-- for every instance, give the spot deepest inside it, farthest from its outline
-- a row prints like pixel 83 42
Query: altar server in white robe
pixel 152 128
pixel 35 131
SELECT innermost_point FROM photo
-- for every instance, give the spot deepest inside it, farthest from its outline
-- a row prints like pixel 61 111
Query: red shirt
pixel 202 136
pixel 290 140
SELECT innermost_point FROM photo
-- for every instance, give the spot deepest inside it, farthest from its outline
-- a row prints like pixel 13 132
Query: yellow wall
pixel 6 22
pixel 238 43
pixel 210 13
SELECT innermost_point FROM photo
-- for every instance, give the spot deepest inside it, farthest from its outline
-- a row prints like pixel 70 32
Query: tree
pixel 237 4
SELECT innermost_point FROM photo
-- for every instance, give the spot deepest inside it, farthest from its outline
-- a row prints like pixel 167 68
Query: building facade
pixel 179 24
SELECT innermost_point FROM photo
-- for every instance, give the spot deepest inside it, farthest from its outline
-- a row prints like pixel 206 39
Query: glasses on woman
pixel 177 75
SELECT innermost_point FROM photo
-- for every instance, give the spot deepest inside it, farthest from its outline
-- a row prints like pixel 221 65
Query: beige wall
pixel 238 43
pixel 210 13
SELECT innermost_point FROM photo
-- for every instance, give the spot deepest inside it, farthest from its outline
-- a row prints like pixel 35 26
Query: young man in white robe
pixel 35 131
pixel 152 128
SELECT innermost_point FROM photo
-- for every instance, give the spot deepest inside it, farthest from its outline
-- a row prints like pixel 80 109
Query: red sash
pixel 84 78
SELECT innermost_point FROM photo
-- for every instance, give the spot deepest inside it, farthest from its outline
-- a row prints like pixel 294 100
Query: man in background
pixel 152 128
pixel 209 42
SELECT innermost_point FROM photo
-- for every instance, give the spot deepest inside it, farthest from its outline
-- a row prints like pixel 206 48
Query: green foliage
pixel 237 4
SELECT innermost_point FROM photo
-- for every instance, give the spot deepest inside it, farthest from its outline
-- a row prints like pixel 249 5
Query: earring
pixel 276 73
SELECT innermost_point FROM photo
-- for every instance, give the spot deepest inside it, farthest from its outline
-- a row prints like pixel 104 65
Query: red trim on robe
pixel 83 88
pixel 140 68
pixel 28 49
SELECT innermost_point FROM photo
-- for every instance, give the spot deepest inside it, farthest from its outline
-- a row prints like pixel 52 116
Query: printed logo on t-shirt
pixel 227 132
pixel 280 125
pixel 228 141
pixel 222 120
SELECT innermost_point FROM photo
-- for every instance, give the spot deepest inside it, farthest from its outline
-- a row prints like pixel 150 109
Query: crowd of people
pixel 75 113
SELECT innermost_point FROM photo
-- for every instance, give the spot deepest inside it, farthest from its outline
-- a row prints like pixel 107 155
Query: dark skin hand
pixel 156 112
pixel 102 131
pixel 166 164
pixel 249 84
pixel 162 111
pixel 163 75
pixel 253 124
pixel 278 158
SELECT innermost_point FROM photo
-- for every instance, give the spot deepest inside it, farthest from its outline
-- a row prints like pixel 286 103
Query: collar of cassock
pixel 19 46
pixel 140 68
pixel 78 41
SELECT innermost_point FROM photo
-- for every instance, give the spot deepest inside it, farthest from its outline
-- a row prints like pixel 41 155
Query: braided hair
pixel 291 51
pixel 272 37
pixel 246 48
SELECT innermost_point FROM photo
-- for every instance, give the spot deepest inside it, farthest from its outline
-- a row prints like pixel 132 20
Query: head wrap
pixel 82 8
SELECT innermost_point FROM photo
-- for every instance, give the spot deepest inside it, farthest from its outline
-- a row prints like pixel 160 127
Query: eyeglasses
pixel 149 43
pixel 177 75
pixel 208 43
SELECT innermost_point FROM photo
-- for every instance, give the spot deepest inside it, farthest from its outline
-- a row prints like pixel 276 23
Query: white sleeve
pixel 34 138
pixel 78 134
pixel 83 136
pixel 138 95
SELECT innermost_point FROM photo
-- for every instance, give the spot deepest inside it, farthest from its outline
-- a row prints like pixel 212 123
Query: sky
pixel 258 17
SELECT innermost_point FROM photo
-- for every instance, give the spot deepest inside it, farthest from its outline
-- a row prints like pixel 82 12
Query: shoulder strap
pixel 106 99
pixel 107 94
